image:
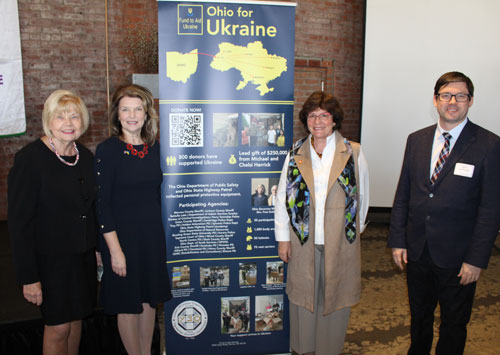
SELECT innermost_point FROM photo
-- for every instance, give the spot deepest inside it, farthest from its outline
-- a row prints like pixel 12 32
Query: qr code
pixel 186 130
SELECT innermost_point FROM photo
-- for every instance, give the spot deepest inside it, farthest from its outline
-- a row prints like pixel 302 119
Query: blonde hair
pixel 63 101
pixel 150 128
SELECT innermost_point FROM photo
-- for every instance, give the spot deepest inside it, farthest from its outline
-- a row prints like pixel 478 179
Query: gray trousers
pixel 313 332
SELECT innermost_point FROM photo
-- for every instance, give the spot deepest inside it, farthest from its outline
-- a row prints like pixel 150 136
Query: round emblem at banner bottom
pixel 189 319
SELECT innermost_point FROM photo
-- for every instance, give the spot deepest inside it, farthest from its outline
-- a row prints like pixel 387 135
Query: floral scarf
pixel 298 197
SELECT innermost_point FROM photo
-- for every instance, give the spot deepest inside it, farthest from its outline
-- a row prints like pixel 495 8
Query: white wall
pixel 409 44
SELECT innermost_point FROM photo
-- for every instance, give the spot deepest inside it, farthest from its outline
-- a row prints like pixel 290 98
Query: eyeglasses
pixel 446 97
pixel 321 116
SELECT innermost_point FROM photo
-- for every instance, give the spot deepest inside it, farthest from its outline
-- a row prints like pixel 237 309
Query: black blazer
pixel 51 207
pixel 458 217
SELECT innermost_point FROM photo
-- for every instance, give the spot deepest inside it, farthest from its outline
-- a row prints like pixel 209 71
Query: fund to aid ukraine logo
pixel 189 319
pixel 189 19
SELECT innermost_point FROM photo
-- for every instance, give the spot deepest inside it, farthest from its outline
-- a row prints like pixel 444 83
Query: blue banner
pixel 226 120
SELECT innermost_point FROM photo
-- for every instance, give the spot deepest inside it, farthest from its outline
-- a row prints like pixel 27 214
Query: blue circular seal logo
pixel 189 319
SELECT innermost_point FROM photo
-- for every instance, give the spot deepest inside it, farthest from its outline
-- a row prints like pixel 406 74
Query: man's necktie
pixel 445 152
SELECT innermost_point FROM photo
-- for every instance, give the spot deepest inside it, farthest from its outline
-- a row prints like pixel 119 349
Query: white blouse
pixel 321 168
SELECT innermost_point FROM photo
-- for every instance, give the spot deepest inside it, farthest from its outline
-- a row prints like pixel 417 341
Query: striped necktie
pixel 445 152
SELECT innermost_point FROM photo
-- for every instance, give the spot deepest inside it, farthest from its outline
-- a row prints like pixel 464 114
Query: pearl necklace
pixel 61 159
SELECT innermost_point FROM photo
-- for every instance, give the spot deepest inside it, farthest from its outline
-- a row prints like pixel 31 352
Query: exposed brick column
pixel 334 29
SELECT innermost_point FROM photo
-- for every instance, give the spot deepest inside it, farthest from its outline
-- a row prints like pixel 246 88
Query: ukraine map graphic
pixel 254 63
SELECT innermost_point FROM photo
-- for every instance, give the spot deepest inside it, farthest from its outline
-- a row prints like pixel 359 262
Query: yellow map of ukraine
pixel 254 63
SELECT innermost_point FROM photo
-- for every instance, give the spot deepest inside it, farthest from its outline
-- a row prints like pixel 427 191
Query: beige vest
pixel 342 259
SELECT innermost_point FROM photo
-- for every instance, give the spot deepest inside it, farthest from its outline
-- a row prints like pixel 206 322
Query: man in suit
pixel 446 216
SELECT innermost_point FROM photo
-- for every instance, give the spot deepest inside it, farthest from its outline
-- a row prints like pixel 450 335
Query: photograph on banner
pixel 263 129
pixel 225 130
pixel 248 274
pixel 275 272
pixel 214 276
pixel 268 313
pixel 180 277
pixel 260 195
pixel 235 314
pixel 226 125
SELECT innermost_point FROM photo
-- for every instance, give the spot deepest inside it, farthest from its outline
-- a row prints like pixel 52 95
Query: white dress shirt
pixel 321 168
pixel 438 143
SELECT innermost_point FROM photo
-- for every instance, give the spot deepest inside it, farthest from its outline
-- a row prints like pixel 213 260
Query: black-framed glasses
pixel 446 97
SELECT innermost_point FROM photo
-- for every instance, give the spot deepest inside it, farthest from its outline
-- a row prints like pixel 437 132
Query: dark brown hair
pixel 150 128
pixel 327 102
pixel 453 77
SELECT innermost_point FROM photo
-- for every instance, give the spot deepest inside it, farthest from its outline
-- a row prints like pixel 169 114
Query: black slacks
pixel 429 284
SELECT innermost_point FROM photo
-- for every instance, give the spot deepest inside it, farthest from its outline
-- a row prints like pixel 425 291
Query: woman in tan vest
pixel 320 210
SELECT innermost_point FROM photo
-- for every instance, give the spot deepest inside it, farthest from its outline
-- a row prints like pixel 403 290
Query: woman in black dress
pixel 52 222
pixel 133 246
pixel 259 198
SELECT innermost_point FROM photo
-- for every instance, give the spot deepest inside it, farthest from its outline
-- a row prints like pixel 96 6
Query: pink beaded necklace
pixel 61 159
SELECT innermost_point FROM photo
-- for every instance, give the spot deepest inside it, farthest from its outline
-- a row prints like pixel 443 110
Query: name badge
pixel 462 169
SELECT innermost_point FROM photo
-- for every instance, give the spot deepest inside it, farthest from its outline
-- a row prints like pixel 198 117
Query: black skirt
pixel 69 286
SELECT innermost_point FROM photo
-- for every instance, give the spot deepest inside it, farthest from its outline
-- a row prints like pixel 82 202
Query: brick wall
pixel 63 46
pixel 330 34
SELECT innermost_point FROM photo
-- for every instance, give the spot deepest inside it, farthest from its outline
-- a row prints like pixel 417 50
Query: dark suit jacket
pixel 51 207
pixel 458 217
